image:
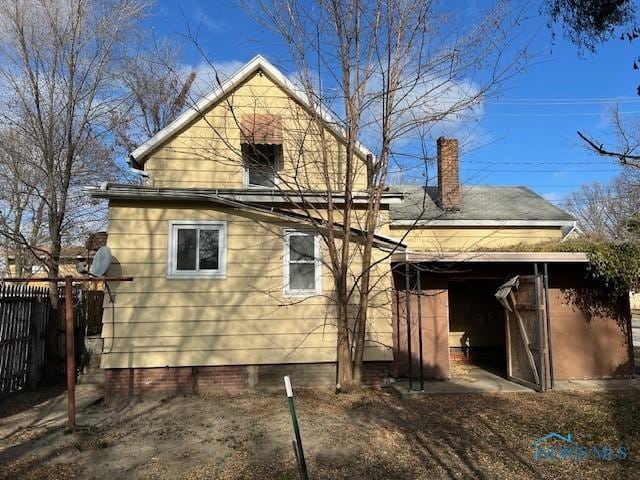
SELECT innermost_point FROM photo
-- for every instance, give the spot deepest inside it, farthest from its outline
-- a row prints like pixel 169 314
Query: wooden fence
pixel 92 311
pixel 25 313
pixel 27 319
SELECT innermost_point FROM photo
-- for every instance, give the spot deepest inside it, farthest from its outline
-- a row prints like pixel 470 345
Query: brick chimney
pixel 448 179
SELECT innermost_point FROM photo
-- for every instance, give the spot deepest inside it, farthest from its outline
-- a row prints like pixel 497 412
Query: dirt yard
pixel 366 435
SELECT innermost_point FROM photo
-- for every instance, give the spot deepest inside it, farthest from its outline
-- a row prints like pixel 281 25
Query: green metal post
pixel 296 429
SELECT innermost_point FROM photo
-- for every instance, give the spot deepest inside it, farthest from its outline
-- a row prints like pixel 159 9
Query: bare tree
pixel 627 140
pixel 58 71
pixel 588 24
pixel 21 210
pixel 387 71
pixel 159 90
pixel 609 211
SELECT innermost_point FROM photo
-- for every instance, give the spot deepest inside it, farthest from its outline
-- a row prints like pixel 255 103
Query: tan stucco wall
pixel 435 330
pixel 206 154
pixel 588 345
pixel 241 319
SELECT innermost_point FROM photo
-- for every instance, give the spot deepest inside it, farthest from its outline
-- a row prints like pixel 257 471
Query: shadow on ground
pixel 22 401
pixel 365 435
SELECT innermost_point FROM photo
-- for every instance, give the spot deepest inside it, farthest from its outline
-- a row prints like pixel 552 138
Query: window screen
pixel 262 163
pixel 302 263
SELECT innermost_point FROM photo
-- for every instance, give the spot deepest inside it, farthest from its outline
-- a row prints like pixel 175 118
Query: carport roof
pixel 504 257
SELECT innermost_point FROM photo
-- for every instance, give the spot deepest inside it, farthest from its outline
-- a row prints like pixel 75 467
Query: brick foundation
pixel 458 356
pixel 165 381
pixel 476 355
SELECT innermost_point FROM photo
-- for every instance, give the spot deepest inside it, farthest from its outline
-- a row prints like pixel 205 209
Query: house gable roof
pixel 479 205
pixel 258 63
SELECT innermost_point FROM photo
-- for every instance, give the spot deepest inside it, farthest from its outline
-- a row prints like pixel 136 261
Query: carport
pixel 555 324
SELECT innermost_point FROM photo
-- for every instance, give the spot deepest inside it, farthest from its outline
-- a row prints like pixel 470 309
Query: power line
pixel 559 162
pixel 566 102
pixel 463 163
pixel 541 171
pixel 553 99
pixel 548 114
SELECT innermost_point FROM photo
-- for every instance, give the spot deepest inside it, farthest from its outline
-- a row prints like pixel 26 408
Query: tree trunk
pixel 360 337
pixel 53 351
pixel 345 378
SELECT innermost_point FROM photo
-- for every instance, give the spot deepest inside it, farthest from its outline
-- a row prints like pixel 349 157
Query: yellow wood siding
pixel 241 319
pixel 207 153
pixel 472 239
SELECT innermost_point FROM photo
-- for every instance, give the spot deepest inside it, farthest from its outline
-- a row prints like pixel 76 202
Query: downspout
pixel 131 162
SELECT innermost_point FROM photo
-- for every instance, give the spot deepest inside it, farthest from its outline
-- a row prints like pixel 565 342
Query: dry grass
pixel 366 435
pixel 21 401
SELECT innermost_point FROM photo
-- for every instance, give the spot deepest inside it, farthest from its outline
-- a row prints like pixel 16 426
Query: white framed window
pixel 302 263
pixel 37 269
pixel 197 249
pixel 261 164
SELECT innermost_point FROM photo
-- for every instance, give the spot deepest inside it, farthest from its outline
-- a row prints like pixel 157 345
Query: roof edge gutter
pixel 491 257
pixel 482 223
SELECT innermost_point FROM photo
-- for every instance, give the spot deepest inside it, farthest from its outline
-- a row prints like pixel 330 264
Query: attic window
pixel 262 163
pixel 261 137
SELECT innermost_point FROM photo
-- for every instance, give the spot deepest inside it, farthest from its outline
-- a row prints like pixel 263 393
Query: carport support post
pixel 419 288
pixel 407 287
pixel 547 310
pixel 70 347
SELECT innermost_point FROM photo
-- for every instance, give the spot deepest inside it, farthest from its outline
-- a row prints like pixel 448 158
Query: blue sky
pixel 528 133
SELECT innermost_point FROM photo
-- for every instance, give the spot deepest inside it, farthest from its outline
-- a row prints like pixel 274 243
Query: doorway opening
pixel 477 337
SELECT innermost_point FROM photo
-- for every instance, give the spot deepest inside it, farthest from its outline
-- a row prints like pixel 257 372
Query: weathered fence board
pixel 26 316
pixel 23 319
pixel 93 305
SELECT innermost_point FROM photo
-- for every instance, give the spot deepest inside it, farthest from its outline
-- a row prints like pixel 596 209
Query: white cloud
pixel 555 197
pixel 206 74
pixel 427 109
pixel 212 25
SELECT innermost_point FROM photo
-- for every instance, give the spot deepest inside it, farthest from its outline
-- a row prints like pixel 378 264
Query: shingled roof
pixel 478 203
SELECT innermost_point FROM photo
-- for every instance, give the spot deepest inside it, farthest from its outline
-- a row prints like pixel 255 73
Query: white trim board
pixel 482 223
pixel 474 257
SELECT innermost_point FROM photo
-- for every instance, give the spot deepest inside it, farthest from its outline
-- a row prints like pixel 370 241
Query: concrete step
pixel 91 377
pixel 94 361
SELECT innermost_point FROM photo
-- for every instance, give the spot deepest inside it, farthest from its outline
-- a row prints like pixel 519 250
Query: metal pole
pixel 544 364
pixel 419 288
pixel 397 298
pixel 296 429
pixel 70 346
pixel 547 310
pixel 407 287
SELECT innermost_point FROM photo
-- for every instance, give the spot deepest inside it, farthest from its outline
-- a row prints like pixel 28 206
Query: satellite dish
pixel 101 262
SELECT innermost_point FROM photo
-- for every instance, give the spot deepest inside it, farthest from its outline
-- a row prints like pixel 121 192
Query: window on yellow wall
pixel 197 249
pixel 302 263
pixel 262 163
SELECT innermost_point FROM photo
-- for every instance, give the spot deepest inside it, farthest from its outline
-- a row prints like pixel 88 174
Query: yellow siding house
pixel 231 288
